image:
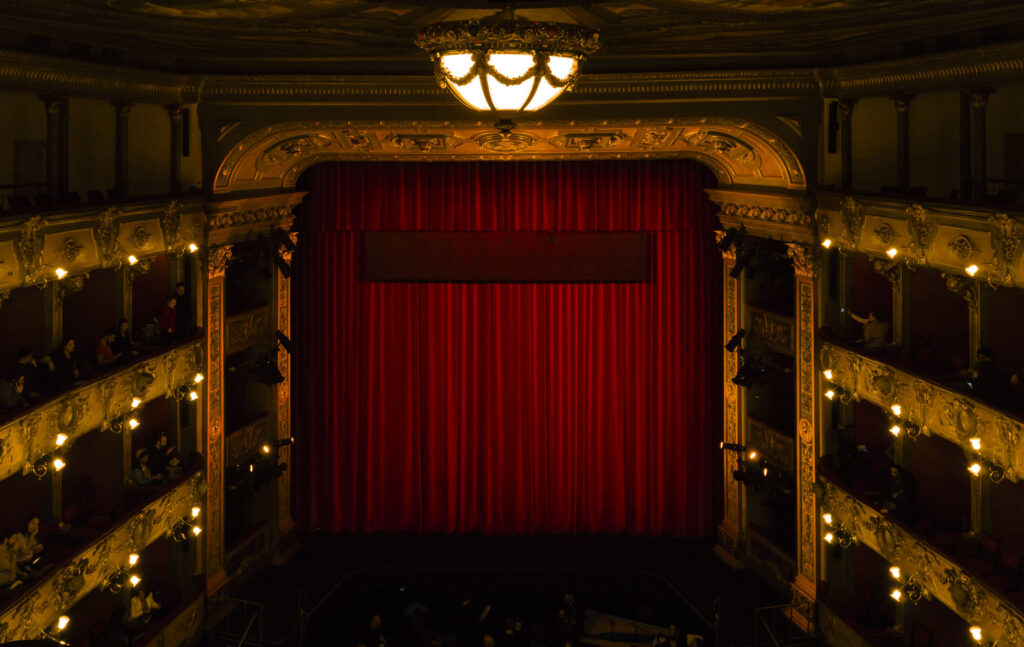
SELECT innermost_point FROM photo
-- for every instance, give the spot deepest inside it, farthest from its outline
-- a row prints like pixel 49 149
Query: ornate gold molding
pixel 943 579
pixel 94 406
pixel 242 443
pixel 244 218
pixel 932 407
pixel 67 585
pixel 767 214
pixel 217 259
pixel 777 331
pixel 243 330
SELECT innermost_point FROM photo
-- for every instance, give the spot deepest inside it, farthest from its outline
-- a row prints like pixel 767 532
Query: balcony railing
pixel 246 440
pixel 97 404
pixel 39 608
pixel 934 572
pixel 934 408
pixel 775 330
pixel 247 328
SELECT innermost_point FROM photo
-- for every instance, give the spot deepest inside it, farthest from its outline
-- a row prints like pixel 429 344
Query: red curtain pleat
pixel 515 407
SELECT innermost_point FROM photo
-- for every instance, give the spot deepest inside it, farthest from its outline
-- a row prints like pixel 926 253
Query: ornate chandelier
pixel 504 63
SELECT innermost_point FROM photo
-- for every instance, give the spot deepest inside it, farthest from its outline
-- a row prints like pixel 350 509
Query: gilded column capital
pixel 728 254
pixel 217 259
pixel 979 97
pixel 122 108
pixel 805 258
pixel 846 107
pixel 902 102
pixel 174 110
pixel 52 103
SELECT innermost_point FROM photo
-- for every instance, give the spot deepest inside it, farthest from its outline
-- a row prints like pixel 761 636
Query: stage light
pixel 132 260
pixel 133 559
pixel 283 267
pixel 742 262
pixel 974 468
pixel 733 447
pixel 896 409
pixel 828 374
pixel 895 572
pixel 891 252
pixel 284 341
pixel 734 341
pixel 198 378
pixel 826 243
pixel 61 439
pixel 193 248
pixel 133 423
pixel 136 402
pixel 764 472
pixel 971 270
pixel 58 465
pixel 976 444
pixel 727 240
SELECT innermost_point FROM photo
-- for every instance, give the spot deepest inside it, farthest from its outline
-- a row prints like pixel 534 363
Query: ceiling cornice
pixel 962 69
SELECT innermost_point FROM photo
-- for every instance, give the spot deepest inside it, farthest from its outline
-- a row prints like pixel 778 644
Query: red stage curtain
pixel 506 407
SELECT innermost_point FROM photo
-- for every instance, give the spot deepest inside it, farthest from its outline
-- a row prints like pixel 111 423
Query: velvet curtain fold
pixel 506 407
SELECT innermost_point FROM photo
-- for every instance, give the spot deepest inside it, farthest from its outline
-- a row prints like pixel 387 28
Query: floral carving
pixel 853 218
pixel 922 229
pixel 770 214
pixel 963 247
pixel 170 223
pixel 965 286
pixel 106 236
pixel 294 147
pixel 217 261
pixel 140 237
pixel 824 222
pixel 805 258
pixel 422 142
pixel 1006 242
pixel 30 249
pixel 70 250
pixel 885 234
pixel 587 141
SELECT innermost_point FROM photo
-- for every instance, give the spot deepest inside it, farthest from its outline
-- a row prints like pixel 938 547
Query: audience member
pixel 142 473
pixel 876 332
pixel 184 321
pixel 900 495
pixel 142 606
pixel 164 459
pixel 29 548
pixel 122 344
pixel 35 376
pixel 167 319
pixel 991 381
pixel 10 574
pixel 150 331
pixel 12 392
pixel 65 365
pixel 105 355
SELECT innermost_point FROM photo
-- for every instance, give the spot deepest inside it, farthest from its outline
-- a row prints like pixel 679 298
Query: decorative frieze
pixel 96 405
pixel 935 409
pixel 767 215
pixel 38 610
pixel 775 330
pixel 246 441
pixel 245 329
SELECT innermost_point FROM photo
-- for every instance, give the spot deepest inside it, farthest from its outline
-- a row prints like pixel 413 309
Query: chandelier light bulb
pixel 135 579
pixel 752 455
pixel 133 423
pixel 195 512
pixel 828 374
pixel 63 622
pixel 198 378
pixel 196 530
pixel 896 595
pixel 58 464
pixel 829 537
pixel 830 394
pixel 193 396
pixel 132 260
pixel 266 449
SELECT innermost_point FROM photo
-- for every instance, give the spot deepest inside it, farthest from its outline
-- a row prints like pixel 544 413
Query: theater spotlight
pixel 282 238
pixel 732 447
pixel 735 340
pixel 183 530
pixel 283 340
pixel 284 442
pixel 742 262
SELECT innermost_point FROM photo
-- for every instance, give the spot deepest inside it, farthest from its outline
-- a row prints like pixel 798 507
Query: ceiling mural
pixel 376 36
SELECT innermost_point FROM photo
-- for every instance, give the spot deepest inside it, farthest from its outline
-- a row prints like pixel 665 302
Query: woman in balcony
pixel 10 573
pixel 65 366
pixel 123 345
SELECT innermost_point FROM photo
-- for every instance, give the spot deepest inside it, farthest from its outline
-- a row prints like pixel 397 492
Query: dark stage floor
pixel 340 580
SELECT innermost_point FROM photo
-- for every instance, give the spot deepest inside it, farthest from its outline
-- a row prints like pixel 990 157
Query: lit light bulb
pixel 752 455
pixel 974 469
pixel 62 623
pixel 135 579
pixel 891 252
pixel 896 595
pixel 826 243
pixel 895 572
pixel 61 439
pixel 829 537
pixel 764 472
pixel 132 260
pixel 60 272
pixel 896 409
pixel 198 378
pixel 58 464
pixel 266 450
pixel 136 402
pixel 828 374
pixel 976 633
pixel 133 423
pixel 196 530
pixel 976 444
pixel 827 518
pixel 195 512
pixel 193 396
pixel 252 468
pixel 895 430
pixel 971 270
pixel 193 248
pixel 830 394
pixel 133 559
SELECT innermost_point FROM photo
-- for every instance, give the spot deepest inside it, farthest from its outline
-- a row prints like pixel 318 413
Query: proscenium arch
pixel 738 151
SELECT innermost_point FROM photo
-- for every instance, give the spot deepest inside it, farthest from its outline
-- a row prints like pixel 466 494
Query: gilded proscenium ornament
pixel 931 406
pixel 67 585
pixel 972 599
pixel 217 259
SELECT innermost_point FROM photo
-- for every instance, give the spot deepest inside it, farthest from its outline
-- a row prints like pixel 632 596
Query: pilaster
pixel 902 104
pixel 846 143
pixel 174 112
pixel 122 109
pixel 979 102
pixel 284 430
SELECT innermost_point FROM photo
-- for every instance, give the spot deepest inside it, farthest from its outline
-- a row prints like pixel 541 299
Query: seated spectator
pixel 65 366
pixel 167 319
pixel 164 459
pixel 876 331
pixel 29 548
pixel 105 355
pixel 142 473
pixel 900 496
pixel 142 606
pixel 150 331
pixel 10 574
pixel 36 376
pixel 12 392
pixel 122 344
pixel 184 322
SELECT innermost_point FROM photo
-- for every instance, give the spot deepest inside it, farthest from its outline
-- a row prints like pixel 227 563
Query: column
pixel 121 109
pixel 174 112
pixel 846 143
pixel 217 261
pixel 965 145
pixel 53 144
pixel 979 101
pixel 732 529
pixel 903 143
pixel 805 585
pixel 282 317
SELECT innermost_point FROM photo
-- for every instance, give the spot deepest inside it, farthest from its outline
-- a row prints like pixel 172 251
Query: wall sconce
pixel 836 391
pixel 193 248
pixel 186 528
pixel 56 629
pixel 839 536
pixel 45 463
